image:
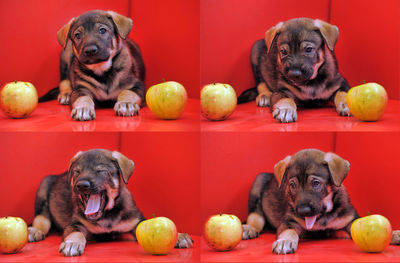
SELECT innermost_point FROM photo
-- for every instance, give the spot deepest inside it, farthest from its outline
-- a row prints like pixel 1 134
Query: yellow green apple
pixel 157 235
pixel 13 234
pixel 167 100
pixel 18 99
pixel 223 232
pixel 367 102
pixel 218 101
pixel 371 233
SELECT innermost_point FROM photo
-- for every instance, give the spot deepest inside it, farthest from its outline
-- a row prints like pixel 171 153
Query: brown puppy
pixel 99 65
pixel 90 201
pixel 304 198
pixel 295 65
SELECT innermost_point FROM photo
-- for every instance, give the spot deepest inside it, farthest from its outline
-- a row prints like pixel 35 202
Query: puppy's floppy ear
pixel 126 166
pixel 329 32
pixel 271 33
pixel 338 167
pixel 76 156
pixel 63 33
pixel 280 169
pixel 122 23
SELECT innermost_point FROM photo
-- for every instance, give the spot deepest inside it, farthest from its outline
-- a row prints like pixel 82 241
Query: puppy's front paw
pixel 63 98
pixel 184 241
pixel 342 109
pixel 126 109
pixel 35 234
pixel 71 249
pixel 284 246
pixel 83 113
pixel 249 232
pixel 395 237
pixel 284 114
pixel 262 100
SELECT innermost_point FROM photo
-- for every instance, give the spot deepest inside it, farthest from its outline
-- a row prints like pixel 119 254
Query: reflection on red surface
pixel 124 250
pixel 332 250
pixel 249 117
pixel 50 116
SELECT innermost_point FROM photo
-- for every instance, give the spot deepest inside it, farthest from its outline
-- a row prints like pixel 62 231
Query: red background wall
pixel 227 175
pixel 165 181
pixel 368 46
pixel 167 32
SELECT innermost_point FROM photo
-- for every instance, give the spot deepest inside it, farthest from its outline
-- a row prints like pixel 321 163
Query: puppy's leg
pixel 39 229
pixel 184 241
pixel 254 225
pixel 264 95
pixel 74 242
pixel 65 92
pixel 41 223
pixel 129 101
pixel 395 237
pixel 284 109
pixel 287 242
pixel 341 104
pixel 255 220
pixel 82 105
pixel 65 85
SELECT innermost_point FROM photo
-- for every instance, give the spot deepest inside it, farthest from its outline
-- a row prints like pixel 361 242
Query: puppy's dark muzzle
pixel 83 186
pixel 305 210
pixel 91 50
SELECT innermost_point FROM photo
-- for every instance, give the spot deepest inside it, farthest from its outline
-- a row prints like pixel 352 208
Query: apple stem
pixel 368 213
pixel 214 83
pixel 163 80
pixel 364 81
pixel 153 215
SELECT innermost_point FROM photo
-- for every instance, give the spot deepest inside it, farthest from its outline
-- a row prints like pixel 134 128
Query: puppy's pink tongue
pixel 93 204
pixel 310 222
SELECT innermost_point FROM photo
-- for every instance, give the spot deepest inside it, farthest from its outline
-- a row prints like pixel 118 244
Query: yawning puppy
pixel 89 201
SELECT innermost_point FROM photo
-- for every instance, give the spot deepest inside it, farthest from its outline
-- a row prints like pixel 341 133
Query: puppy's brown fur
pixel 295 65
pixel 98 177
pixel 304 197
pixel 99 65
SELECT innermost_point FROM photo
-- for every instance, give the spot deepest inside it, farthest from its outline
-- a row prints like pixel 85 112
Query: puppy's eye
pixel 102 30
pixel 283 52
pixel 309 49
pixel 76 172
pixel 78 35
pixel 292 185
pixel 315 183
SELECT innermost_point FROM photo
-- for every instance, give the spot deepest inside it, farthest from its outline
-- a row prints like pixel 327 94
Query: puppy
pixel 89 201
pixel 295 65
pixel 99 65
pixel 305 198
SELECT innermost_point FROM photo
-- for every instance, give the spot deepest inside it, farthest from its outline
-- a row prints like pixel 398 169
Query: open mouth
pixel 310 221
pixel 94 205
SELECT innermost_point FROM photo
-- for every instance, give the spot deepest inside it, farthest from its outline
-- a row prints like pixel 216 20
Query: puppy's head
pixel 96 177
pixel 95 35
pixel 310 178
pixel 300 45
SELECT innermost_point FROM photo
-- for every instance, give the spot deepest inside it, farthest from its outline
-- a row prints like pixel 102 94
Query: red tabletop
pixel 249 117
pixel 332 250
pixel 51 116
pixel 125 250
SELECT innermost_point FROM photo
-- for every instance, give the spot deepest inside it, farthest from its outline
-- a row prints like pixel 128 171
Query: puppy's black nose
pixel 91 50
pixel 304 210
pixel 295 74
pixel 83 185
